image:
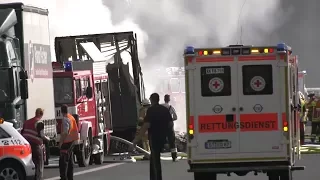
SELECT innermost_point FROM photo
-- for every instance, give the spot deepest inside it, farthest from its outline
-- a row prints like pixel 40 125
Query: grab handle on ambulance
pixel 230 118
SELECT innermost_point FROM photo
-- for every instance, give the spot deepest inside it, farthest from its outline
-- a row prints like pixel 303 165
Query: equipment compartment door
pixel 215 106
pixel 259 105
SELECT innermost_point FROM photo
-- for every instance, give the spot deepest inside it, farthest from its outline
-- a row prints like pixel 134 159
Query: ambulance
pixel 241 106
pixel 15 154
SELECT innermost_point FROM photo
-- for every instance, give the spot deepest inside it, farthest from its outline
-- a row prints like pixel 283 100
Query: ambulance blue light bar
pixel 68 66
pixel 189 50
pixel 282 47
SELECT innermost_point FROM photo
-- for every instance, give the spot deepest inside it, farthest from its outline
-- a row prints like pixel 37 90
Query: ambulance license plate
pixel 218 144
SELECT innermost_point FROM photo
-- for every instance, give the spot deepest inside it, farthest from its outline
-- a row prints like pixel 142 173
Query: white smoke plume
pixel 173 24
pixel 165 27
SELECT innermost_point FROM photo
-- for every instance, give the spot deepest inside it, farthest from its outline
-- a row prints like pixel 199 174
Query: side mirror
pixel 89 92
pixel 24 89
pixel 23 75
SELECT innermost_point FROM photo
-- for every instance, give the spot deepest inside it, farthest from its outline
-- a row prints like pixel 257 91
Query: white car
pixel 15 154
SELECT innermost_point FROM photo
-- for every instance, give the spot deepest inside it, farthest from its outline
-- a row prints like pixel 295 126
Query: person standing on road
pixel 156 121
pixel 69 134
pixel 171 135
pixel 142 113
pixel 33 132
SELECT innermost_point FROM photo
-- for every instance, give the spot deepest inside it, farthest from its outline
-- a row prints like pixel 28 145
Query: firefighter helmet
pixel 145 102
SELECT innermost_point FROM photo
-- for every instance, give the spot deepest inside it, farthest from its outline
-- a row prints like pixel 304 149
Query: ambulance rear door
pixel 214 102
pixel 259 103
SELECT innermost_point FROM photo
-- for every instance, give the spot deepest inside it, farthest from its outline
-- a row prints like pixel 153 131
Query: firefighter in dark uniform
pixel 69 134
pixel 156 122
pixel 33 132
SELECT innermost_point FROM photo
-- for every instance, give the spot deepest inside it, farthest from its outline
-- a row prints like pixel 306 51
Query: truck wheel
pixel 273 177
pixel 11 170
pixel 84 154
pixel 205 176
pixel 286 175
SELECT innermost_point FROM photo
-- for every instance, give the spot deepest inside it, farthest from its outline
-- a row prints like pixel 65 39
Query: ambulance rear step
pixel 257 167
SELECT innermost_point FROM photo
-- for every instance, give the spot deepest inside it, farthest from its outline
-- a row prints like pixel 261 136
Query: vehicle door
pixel 214 104
pixel 259 103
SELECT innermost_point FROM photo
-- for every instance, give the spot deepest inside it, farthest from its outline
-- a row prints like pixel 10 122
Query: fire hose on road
pixel 139 149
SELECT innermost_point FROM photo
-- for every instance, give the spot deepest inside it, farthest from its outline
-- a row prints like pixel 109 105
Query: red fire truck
pixel 172 82
pixel 93 86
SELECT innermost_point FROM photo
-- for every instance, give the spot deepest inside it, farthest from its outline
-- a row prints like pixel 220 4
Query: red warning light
pixel 200 53
pixel 270 50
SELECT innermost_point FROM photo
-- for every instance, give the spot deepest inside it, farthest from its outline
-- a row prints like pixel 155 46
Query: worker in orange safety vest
pixel 69 134
pixel 33 132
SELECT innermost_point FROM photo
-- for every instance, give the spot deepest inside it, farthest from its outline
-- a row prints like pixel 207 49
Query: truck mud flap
pixel 241 169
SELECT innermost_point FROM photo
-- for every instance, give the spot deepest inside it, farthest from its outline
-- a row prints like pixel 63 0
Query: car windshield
pixel 4 86
pixel 63 90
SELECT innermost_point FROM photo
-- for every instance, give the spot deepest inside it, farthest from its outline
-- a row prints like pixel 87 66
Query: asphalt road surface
pixel 171 171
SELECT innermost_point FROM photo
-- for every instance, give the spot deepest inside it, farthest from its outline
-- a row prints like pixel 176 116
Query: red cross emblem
pixel 216 84
pixel 257 83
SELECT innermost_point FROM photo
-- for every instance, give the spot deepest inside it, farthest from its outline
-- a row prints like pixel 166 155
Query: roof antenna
pixel 241 33
pixel 239 25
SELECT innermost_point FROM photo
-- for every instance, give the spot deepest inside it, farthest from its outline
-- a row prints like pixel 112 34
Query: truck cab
pixel 13 81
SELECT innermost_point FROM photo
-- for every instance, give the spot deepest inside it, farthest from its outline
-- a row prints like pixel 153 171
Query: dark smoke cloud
pixel 301 31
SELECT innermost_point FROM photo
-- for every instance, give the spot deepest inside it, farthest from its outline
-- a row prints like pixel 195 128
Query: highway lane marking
pixel 89 170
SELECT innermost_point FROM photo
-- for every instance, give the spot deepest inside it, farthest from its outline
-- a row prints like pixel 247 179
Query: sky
pixel 165 27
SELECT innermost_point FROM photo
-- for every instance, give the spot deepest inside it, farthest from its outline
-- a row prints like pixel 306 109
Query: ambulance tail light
pixel 1 120
pixel 191 129
pixel 216 52
pixel 285 126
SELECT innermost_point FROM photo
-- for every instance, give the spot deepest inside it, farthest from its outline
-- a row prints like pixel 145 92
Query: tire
pixel 84 154
pixel 286 175
pixel 205 176
pixel 273 177
pixel 10 168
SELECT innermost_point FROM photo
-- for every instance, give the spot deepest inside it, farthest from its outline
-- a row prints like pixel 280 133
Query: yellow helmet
pixel 145 102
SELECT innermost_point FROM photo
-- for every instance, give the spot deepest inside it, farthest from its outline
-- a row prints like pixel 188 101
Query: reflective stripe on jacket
pixel 30 132
pixel 73 131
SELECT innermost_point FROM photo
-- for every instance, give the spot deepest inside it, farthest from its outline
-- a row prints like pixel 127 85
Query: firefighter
pixel 171 135
pixel 303 114
pixel 313 117
pixel 33 132
pixel 156 121
pixel 142 113
pixel 69 134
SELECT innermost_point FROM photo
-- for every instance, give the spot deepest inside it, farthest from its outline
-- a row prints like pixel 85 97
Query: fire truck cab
pixel 83 86
pixel 91 78
pixel 242 111
pixel 172 82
